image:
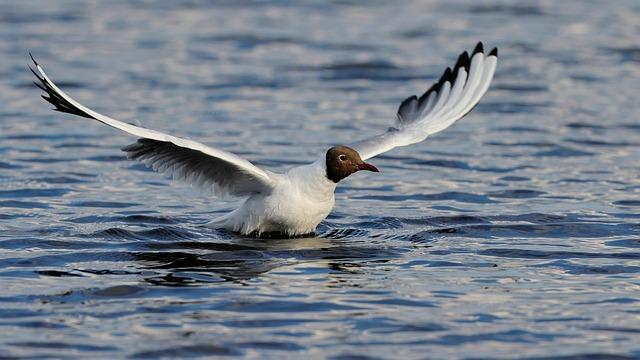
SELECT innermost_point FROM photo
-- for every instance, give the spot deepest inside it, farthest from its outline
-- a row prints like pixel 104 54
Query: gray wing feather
pixel 217 170
pixel 195 167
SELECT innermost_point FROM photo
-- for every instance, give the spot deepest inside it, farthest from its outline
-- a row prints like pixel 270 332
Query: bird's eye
pixel 342 157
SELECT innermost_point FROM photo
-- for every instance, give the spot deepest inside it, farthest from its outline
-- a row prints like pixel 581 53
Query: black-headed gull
pixel 295 202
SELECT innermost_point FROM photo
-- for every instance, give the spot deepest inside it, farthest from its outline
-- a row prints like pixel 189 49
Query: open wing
pixel 448 100
pixel 224 173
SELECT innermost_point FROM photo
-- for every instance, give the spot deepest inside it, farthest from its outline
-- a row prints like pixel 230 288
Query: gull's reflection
pixel 235 258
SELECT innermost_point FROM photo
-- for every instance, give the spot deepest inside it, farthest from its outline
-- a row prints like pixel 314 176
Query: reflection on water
pixel 514 232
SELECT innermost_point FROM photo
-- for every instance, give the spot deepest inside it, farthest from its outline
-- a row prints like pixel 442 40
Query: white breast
pixel 301 200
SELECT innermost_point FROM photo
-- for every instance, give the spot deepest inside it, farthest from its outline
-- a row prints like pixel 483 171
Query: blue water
pixel 515 233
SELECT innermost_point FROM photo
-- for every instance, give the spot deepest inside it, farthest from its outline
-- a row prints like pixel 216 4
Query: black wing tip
pixel 39 86
pixel 426 94
pixel 53 97
pixel 479 48
pixel 463 62
pixel 37 66
pixel 405 106
pixel 446 76
pixel 32 59
pixel 449 75
pixel 406 101
pixel 463 59
pixel 36 74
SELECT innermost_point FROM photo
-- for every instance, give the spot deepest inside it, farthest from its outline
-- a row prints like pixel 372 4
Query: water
pixel 514 233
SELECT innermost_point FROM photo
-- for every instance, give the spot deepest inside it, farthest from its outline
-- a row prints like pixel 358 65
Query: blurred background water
pixel 515 233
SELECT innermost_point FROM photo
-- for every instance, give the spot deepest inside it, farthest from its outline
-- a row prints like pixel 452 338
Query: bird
pixel 293 203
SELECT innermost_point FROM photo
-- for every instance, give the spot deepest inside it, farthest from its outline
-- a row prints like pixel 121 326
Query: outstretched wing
pixel 224 173
pixel 448 100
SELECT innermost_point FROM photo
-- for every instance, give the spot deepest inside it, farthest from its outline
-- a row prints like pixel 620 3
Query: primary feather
pixel 446 101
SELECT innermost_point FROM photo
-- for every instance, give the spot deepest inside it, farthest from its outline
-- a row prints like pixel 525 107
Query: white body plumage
pixel 301 198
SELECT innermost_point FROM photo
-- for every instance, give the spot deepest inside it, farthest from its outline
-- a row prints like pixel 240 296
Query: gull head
pixel 343 161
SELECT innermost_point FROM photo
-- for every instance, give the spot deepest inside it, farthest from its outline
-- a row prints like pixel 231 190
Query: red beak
pixel 365 166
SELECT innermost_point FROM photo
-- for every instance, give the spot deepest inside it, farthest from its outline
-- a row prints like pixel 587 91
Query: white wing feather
pixel 447 101
pixel 224 173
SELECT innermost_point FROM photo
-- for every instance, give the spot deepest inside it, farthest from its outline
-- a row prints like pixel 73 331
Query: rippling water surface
pixel 514 233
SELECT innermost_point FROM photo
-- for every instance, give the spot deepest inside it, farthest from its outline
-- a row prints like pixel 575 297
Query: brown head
pixel 343 161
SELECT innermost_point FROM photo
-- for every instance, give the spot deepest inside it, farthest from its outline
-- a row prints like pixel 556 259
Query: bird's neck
pixel 313 179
